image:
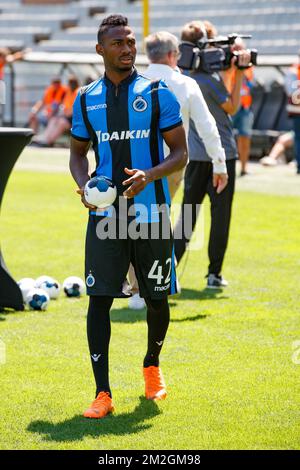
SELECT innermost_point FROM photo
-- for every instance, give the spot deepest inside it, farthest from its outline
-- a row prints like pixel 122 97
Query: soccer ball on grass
pixel 26 284
pixel 37 299
pixel 73 286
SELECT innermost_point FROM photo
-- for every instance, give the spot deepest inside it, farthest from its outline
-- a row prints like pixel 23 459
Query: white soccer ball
pixel 73 286
pixel 51 286
pixel 37 299
pixel 26 284
pixel 39 280
pixel 100 191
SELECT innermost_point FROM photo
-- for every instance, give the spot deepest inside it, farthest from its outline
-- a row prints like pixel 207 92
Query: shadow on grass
pixel 191 294
pixel 78 427
pixel 191 318
pixel 127 315
pixel 204 294
pixel 5 311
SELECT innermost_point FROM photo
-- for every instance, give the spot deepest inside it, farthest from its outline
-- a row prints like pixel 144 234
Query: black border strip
pixel 166 129
pixel 89 127
pixel 81 139
pixel 134 459
pixel 154 148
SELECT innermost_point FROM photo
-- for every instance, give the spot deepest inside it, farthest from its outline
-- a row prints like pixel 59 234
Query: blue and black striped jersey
pixel 125 124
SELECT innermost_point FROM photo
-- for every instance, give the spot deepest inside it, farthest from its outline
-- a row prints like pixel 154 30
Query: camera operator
pixel 243 119
pixel 198 175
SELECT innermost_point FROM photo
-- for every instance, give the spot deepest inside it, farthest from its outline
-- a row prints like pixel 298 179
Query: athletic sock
pixel 158 318
pixel 98 333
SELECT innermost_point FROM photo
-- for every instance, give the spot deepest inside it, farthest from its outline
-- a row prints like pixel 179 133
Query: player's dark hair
pixel 111 21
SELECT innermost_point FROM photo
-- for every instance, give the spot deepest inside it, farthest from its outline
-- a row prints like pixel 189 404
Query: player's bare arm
pixel 177 159
pixel 79 166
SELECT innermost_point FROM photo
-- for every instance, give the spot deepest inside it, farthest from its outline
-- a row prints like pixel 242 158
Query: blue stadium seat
pixel 258 93
pixel 272 105
pixel 284 123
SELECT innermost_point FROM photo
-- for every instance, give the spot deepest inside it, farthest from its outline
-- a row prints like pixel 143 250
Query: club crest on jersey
pixel 90 280
pixel 140 104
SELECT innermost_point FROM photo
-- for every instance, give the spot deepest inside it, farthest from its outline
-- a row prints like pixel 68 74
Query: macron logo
pixel 123 135
pixel 96 106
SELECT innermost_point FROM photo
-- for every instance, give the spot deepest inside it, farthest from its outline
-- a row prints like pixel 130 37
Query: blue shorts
pixel 243 121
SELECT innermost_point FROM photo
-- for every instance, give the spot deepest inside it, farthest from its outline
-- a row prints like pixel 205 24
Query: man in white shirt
pixel 163 50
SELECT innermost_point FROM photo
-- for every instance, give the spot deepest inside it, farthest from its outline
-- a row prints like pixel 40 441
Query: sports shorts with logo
pixel 148 246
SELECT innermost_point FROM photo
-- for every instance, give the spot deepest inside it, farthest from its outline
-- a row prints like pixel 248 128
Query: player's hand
pixel 220 181
pixel 138 180
pixel 86 204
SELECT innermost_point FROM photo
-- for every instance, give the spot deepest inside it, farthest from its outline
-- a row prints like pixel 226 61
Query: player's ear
pixel 99 49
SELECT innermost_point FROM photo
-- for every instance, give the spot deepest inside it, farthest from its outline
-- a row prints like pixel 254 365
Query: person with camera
pixel 243 119
pixel 198 176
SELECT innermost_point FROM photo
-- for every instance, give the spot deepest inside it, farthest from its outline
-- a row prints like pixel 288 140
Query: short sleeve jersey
pixel 125 124
pixel 215 94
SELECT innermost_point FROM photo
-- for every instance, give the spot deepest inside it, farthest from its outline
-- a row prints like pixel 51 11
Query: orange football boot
pixel 155 387
pixel 100 407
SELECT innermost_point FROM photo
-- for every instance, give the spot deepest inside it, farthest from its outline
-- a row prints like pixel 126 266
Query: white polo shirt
pixel 193 106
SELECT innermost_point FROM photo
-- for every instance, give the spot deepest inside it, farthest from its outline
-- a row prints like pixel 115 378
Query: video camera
pixel 212 55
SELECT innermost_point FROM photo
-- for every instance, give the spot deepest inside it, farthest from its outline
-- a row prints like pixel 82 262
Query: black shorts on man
pixel 149 247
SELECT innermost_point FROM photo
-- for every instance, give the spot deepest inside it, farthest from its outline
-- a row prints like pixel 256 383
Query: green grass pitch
pixel 230 359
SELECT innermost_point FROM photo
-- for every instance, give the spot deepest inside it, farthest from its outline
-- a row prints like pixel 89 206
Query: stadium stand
pixel 64 34
pixel 26 35
pixel 274 24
